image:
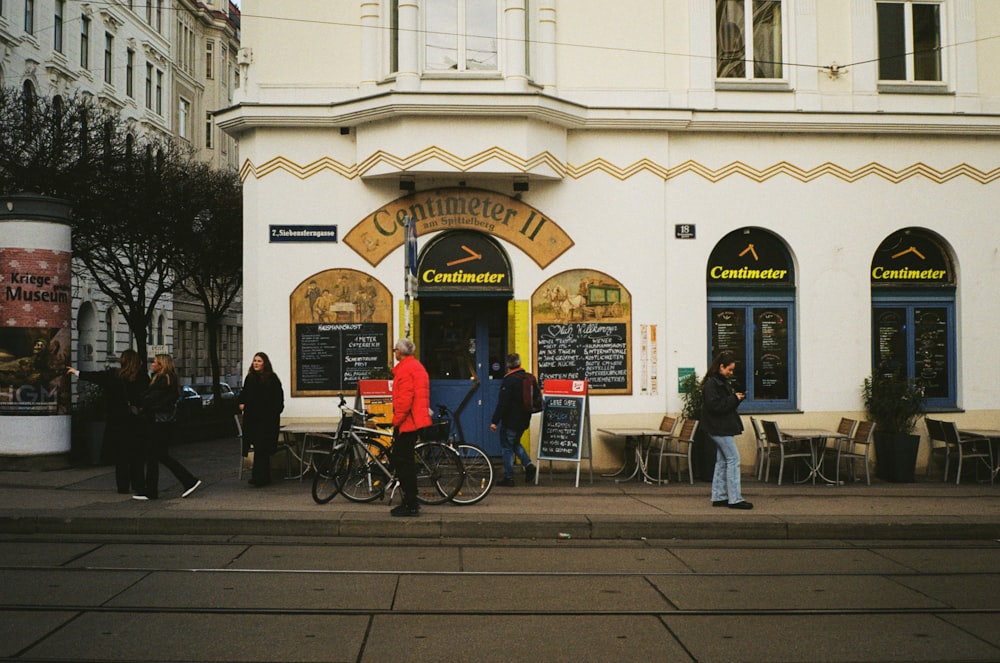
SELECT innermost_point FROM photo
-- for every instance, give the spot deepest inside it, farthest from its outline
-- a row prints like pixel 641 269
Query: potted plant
pixel 895 404
pixel 704 449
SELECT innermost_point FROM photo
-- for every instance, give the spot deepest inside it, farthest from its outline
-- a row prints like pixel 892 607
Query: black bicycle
pixel 359 467
pixel 478 467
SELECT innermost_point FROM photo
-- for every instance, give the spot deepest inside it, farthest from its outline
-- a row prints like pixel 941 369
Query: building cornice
pixel 569 115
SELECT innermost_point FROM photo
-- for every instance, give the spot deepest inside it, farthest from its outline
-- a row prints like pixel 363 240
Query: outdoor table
pixel 993 436
pixel 302 439
pixel 817 438
pixel 634 439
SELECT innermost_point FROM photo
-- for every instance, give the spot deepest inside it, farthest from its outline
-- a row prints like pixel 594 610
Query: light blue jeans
pixel 510 444
pixel 726 480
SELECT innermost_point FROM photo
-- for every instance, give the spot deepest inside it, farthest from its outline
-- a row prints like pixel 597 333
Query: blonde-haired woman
pixel 160 407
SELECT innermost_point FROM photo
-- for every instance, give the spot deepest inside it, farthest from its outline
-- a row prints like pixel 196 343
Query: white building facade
pixel 812 185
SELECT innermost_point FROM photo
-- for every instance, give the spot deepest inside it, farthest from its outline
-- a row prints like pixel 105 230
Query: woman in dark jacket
pixel 261 402
pixel 124 388
pixel 160 408
pixel 721 422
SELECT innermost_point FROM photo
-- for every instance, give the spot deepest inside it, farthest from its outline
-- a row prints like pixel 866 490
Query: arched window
pixel 751 312
pixel 913 283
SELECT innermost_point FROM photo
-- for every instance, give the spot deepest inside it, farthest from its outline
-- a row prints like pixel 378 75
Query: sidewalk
pixel 83 500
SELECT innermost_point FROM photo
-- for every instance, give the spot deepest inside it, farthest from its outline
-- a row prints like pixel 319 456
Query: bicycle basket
pixel 436 432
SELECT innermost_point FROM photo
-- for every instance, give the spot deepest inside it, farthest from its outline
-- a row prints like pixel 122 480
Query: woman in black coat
pixel 124 388
pixel 261 402
pixel 721 422
pixel 160 408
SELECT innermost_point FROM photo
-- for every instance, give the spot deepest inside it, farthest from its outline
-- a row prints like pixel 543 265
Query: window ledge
pixel 461 75
pixel 725 85
pixel 914 88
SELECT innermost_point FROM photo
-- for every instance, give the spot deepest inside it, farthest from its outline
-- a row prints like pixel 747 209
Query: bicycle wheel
pixel 478 475
pixel 330 474
pixel 364 480
pixel 439 472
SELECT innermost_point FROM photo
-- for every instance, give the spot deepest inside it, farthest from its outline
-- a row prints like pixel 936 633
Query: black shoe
pixel 529 473
pixel 720 502
pixel 507 483
pixel 741 505
pixel 406 511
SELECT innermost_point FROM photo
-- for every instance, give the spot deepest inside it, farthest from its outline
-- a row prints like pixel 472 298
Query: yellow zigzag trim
pixel 600 165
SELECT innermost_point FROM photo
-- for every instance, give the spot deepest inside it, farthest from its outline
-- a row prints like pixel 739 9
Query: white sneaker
pixel 141 498
pixel 191 489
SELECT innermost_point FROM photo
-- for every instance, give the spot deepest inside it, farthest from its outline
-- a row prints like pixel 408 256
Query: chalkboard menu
pixel 333 357
pixel 562 428
pixel 595 351
pixel 729 331
pixel 771 349
pixel 931 349
pixel 890 337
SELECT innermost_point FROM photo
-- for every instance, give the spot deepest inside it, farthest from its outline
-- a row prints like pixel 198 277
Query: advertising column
pixel 35 326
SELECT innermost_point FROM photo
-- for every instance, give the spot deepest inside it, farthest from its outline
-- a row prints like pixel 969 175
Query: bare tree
pixel 214 261
pixel 139 202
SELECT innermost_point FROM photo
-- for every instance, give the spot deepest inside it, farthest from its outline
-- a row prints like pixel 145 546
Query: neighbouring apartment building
pixel 616 191
pixel 166 66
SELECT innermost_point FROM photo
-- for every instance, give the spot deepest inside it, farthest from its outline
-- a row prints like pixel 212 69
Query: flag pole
pixel 409 270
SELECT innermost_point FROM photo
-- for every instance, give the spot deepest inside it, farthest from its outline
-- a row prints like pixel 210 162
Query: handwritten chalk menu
pixel 565 432
pixel 563 417
pixel 333 357
pixel 931 350
pixel 595 351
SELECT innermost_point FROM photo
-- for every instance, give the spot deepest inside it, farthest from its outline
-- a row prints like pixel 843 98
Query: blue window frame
pixel 761 330
pixel 917 334
pixel 913 280
pixel 751 312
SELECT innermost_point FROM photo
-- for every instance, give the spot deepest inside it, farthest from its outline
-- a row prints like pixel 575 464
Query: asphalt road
pixel 225 598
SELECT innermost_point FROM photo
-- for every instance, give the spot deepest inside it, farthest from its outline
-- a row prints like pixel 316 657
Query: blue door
pixel 463 345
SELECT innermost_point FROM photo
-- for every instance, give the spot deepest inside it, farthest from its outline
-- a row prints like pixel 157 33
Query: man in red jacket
pixel 411 411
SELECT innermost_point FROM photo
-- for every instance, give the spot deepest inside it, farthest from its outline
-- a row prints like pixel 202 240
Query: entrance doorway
pixel 463 346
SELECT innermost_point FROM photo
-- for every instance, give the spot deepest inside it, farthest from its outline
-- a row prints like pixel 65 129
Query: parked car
pixel 189 406
pixel 207 396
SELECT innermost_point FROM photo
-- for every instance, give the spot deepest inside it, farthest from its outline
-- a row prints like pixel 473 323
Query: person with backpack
pixel 513 416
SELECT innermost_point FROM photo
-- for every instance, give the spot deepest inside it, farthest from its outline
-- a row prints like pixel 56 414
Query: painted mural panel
pixel 341 324
pixel 582 322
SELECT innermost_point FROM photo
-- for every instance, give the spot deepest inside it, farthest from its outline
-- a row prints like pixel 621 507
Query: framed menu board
pixel 340 325
pixel 333 357
pixel 595 351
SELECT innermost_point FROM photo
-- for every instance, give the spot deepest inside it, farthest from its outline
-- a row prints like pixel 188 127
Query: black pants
pixel 263 449
pixel 156 453
pixel 126 438
pixel 404 463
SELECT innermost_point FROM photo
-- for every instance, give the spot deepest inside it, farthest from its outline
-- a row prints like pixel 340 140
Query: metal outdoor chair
pixel 974 447
pixel 657 443
pixel 938 445
pixel 679 446
pixel 762 461
pixel 246 448
pixel 789 447
pixel 856 448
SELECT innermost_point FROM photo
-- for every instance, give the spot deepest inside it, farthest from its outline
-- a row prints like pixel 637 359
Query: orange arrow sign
pixel 472 256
